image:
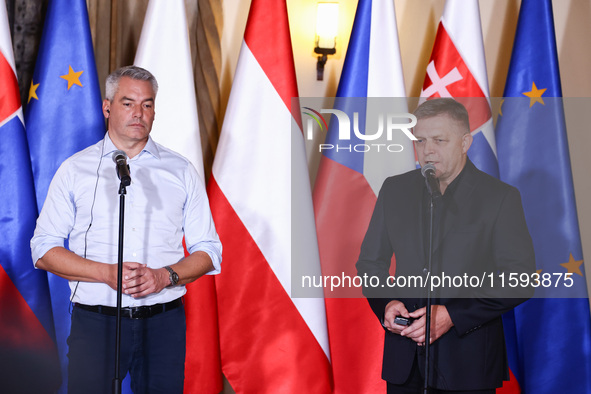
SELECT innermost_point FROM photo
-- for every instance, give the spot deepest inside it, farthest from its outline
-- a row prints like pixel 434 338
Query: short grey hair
pixel 444 106
pixel 133 72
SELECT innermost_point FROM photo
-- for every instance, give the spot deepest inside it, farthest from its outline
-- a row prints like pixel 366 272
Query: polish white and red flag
pixel 457 68
pixel 270 342
pixel 164 50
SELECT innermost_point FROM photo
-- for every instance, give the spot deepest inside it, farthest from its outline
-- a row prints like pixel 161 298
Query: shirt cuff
pixel 214 254
pixel 40 247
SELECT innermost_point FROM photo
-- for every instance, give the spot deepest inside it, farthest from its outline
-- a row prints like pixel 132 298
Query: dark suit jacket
pixel 484 231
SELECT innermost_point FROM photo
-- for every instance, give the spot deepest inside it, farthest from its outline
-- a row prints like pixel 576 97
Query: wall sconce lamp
pixel 327 17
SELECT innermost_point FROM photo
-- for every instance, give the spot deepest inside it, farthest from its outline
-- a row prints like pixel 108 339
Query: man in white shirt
pixel 165 201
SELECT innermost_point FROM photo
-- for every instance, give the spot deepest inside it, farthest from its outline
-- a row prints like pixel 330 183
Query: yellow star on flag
pixel 535 95
pixel 72 77
pixel 573 266
pixel 33 92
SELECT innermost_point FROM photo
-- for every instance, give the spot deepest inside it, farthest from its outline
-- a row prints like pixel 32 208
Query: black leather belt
pixel 133 312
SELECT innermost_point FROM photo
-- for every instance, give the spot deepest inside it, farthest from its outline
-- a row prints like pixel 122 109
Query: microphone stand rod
pixel 428 314
pixel 117 378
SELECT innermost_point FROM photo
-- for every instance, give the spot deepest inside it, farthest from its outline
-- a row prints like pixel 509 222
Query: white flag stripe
pixel 385 79
pixel 6 49
pixel 164 50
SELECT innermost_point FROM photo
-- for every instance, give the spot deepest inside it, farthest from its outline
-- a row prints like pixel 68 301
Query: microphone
pixel 428 171
pixel 120 159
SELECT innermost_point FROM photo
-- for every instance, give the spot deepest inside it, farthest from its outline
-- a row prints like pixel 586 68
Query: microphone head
pixel 119 155
pixel 426 168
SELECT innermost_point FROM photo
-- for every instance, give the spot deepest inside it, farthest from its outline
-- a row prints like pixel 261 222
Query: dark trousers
pixel 415 382
pixel 152 351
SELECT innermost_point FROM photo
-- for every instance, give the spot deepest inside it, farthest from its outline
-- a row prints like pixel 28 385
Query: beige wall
pixel 417 23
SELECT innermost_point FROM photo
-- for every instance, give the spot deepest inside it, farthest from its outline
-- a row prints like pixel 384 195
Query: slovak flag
pixel 457 68
pixel 28 356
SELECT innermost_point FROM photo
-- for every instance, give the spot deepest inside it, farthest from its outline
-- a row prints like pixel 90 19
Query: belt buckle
pixel 137 312
pixel 127 312
pixel 144 312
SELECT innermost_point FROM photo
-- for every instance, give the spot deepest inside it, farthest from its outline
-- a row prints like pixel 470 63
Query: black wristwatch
pixel 173 276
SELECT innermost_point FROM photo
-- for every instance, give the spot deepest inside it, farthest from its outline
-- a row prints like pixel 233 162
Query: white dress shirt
pixel 166 200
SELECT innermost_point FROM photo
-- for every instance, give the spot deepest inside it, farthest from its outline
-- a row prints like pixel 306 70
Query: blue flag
pixel 63 116
pixel 64 113
pixel 548 337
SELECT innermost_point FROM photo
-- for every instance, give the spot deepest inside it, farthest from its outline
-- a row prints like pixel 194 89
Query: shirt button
pixel 134 254
pixel 425 271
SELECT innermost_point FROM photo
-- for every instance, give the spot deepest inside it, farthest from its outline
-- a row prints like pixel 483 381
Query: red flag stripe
pixel 202 365
pixel 20 327
pixel 341 226
pixel 9 98
pixel 510 386
pixel 263 317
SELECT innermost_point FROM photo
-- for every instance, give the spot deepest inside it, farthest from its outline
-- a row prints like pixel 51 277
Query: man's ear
pixel 466 142
pixel 106 108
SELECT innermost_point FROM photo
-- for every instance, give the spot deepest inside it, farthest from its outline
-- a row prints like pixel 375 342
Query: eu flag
pixel 63 116
pixel 64 112
pixel 548 337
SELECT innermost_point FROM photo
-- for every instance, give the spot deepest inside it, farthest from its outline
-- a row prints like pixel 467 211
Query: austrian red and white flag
pixel 270 343
pixel 457 69
pixel 164 50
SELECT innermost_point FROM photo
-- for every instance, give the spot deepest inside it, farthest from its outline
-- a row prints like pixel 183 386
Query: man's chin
pixel 138 133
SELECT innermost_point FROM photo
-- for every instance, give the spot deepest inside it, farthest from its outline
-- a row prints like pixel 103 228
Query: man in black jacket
pixel 479 234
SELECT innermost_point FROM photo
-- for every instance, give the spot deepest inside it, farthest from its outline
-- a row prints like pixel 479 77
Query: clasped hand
pixel 139 280
pixel 440 322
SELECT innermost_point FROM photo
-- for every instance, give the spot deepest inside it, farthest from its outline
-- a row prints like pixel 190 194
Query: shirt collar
pixel 150 147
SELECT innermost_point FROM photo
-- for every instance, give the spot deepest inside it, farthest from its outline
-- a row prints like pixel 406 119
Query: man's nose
pixel 137 111
pixel 428 147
